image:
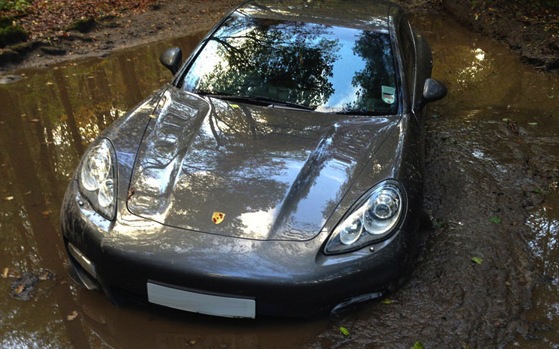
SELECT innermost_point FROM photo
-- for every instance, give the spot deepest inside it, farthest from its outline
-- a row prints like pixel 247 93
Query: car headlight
pixel 97 178
pixel 373 218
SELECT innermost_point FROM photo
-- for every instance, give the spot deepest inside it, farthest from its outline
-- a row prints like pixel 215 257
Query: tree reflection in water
pixel 328 68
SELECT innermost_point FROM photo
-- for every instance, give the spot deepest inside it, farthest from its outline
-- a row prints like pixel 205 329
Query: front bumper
pixel 198 272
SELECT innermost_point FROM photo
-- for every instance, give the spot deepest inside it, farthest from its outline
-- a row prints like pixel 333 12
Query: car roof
pixel 359 14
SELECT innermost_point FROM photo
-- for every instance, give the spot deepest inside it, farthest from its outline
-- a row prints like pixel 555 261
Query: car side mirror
pixel 433 90
pixel 171 58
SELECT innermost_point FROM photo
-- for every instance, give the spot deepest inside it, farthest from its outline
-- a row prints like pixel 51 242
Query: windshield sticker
pixel 388 94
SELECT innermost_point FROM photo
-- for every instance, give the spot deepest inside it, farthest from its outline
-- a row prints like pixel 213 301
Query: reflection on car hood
pixel 275 174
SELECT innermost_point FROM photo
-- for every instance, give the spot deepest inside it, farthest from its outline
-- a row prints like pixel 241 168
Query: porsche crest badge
pixel 218 217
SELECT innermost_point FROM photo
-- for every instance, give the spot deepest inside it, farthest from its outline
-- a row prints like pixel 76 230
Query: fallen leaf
pixel 533 124
pixel 387 301
pixel 5 272
pixel 477 260
pixel 45 274
pixel 9 198
pixel 50 83
pixel 72 316
pixel 19 288
pixel 496 220
pixel 418 345
pixel 344 331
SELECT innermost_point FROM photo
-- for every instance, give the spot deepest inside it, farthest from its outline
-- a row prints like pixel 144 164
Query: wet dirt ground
pixel 491 193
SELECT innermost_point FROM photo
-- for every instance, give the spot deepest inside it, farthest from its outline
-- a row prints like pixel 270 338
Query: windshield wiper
pixel 259 100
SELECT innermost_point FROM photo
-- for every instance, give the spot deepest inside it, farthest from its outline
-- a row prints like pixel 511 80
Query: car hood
pixel 257 172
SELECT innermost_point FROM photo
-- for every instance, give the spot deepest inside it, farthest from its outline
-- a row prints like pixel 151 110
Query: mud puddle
pixel 491 192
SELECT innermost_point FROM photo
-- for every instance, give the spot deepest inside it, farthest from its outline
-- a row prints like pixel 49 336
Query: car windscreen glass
pixel 322 67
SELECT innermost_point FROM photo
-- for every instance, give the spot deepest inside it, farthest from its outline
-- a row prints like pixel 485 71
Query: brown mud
pixel 531 31
pixel 165 19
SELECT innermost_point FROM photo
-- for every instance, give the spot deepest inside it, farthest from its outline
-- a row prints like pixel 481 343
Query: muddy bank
pixel 529 29
pixel 165 19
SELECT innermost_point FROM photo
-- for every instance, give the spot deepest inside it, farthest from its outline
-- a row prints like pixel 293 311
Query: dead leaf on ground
pixel 344 331
pixel 45 274
pixel 477 260
pixel 5 272
pixel 72 316
pixel 19 288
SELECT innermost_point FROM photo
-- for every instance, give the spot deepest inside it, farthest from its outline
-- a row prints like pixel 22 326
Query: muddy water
pixel 491 192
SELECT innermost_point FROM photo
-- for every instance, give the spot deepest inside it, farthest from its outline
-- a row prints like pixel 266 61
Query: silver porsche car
pixel 279 172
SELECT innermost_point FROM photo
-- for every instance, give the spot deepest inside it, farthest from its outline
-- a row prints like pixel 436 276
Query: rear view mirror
pixel 171 58
pixel 433 90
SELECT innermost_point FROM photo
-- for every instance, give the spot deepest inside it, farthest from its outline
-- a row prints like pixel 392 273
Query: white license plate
pixel 200 302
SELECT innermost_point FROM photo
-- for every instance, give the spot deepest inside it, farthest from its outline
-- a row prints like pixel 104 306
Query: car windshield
pixel 321 67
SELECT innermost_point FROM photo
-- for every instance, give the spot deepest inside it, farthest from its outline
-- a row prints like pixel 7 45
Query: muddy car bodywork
pixel 240 207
